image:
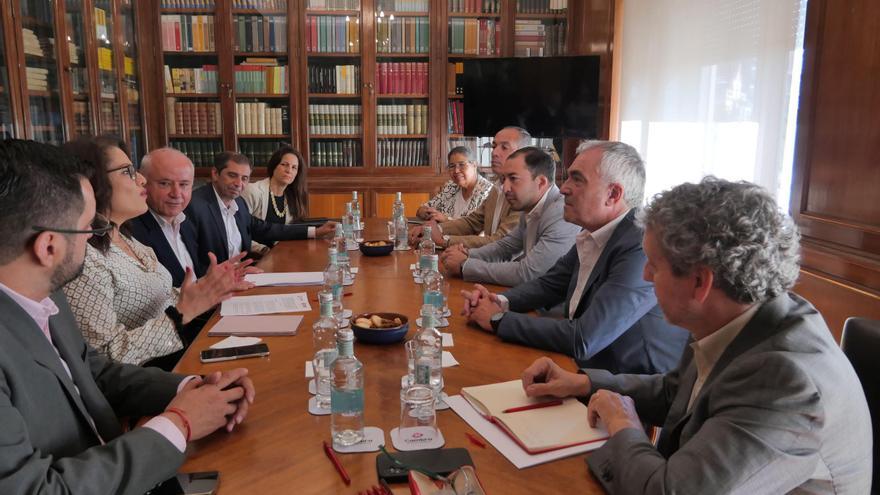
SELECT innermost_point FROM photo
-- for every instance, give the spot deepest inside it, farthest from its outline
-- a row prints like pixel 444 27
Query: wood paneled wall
pixel 836 176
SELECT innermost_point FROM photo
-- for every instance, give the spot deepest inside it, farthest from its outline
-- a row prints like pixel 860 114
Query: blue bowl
pixel 383 250
pixel 380 335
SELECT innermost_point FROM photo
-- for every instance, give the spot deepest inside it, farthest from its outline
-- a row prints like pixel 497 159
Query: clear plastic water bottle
pixel 433 287
pixel 358 221
pixel 342 257
pixel 347 393
pixel 324 344
pixel 348 228
pixel 334 278
pixel 401 232
pixel 429 352
pixel 426 250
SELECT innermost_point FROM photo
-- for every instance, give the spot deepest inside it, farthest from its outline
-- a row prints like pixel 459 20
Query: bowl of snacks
pixel 377 248
pixel 380 328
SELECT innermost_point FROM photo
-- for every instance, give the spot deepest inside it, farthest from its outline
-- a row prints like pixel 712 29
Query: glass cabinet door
pixel 45 123
pixel 132 84
pixel 109 92
pixel 79 71
pixel 6 125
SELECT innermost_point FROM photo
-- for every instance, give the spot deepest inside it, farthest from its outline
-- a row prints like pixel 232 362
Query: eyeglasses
pixel 128 170
pixel 457 166
pixel 100 226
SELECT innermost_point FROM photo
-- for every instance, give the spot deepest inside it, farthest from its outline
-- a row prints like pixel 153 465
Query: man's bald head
pixel 169 175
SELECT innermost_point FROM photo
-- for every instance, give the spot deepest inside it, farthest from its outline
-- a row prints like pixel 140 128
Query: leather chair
pixel 861 344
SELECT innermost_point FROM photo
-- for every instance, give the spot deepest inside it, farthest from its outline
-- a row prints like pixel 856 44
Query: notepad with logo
pixel 537 430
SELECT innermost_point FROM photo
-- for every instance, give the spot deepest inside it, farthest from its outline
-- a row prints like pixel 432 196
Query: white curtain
pixel 711 87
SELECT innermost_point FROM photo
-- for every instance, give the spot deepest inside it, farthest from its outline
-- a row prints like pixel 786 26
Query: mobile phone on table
pixel 204 483
pixel 440 461
pixel 230 353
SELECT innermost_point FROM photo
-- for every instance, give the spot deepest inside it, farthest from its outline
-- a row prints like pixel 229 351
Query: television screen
pixel 548 96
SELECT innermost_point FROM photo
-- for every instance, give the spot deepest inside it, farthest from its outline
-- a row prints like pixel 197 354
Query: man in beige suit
pixel 494 217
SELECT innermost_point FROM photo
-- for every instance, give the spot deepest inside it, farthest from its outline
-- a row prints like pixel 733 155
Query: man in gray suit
pixel 59 399
pixel 542 236
pixel 612 320
pixel 763 401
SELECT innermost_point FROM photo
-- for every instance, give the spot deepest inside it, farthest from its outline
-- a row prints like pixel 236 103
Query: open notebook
pixel 535 430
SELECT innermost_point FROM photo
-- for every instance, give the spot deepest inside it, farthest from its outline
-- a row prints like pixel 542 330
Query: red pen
pixel 537 405
pixel 474 440
pixel 335 460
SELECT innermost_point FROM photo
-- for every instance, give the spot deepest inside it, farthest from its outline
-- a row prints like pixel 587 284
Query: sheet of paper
pixel 234 341
pixel 310 370
pixel 285 279
pixel 257 325
pixel 447 339
pixel 448 360
pixel 266 304
pixel 502 441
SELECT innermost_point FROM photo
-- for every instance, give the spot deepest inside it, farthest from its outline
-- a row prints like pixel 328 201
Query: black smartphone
pixel 440 461
pixel 230 353
pixel 204 483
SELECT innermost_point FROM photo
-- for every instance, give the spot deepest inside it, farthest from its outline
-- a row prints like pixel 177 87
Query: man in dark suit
pixel 763 401
pixel 612 318
pixel 59 399
pixel 222 221
pixel 164 228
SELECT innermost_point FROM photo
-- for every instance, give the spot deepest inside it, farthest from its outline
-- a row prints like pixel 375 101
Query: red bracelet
pixel 182 417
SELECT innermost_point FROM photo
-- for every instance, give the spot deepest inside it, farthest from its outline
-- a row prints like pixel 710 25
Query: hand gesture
pixel 197 296
pixel 235 378
pixel 616 411
pixel 325 231
pixel 544 377
pixel 206 405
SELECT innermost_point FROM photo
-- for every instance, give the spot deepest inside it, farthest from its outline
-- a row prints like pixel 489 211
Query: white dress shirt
pixel 175 240
pixel 233 236
pixel 589 248
pixel 708 349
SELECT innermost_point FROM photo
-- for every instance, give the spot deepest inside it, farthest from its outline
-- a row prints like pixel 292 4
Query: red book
pixel 313 30
pixel 393 76
pixel 177 35
pixel 483 37
pixel 408 72
pixel 380 78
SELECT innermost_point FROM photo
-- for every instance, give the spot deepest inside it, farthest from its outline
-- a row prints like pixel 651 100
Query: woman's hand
pixel 438 217
pixel 219 283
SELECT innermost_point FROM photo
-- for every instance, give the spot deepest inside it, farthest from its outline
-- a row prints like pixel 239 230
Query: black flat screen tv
pixel 548 96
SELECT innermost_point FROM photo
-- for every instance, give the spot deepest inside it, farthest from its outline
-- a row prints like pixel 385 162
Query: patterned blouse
pixel 445 200
pixel 119 303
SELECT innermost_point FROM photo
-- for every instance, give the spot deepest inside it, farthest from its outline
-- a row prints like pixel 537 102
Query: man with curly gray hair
pixel 763 401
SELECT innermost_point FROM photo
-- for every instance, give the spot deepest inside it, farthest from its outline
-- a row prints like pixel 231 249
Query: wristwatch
pixel 445 240
pixel 495 320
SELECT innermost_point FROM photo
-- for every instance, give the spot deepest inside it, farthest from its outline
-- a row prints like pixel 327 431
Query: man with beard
pixel 59 399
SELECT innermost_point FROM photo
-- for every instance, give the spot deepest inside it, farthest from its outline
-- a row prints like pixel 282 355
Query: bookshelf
pixel 70 62
pixel 365 89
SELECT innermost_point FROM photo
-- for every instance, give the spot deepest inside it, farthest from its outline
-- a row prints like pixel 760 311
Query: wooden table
pixel 278 449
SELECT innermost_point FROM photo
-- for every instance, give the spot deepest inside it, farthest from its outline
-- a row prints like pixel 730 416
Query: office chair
pixel 861 344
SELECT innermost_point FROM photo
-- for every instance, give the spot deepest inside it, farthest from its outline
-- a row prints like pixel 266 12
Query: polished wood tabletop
pixel 278 449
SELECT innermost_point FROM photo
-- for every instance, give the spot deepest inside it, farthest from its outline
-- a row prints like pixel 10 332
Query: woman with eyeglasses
pixel 281 197
pixel 464 193
pixel 123 300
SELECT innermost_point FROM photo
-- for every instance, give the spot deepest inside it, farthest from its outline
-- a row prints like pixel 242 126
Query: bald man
pixel 164 228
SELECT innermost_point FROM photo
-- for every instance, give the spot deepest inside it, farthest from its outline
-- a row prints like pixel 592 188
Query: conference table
pixel 279 449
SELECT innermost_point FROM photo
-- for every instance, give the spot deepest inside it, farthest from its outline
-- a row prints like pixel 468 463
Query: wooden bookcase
pixel 70 68
pixel 355 130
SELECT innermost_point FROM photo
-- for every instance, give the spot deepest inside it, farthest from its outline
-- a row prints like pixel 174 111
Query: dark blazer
pixel 47 445
pixel 146 229
pixel 782 411
pixel 204 213
pixel 618 325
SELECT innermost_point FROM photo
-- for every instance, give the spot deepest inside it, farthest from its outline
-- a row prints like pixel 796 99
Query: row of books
pixel 259 118
pixel 259 151
pixel 402 153
pixel 403 5
pixel 38 9
pixel 475 6
pixel 256 33
pixel 332 34
pixel 37 78
pixel 334 79
pixel 191 80
pixel 541 6
pixel 261 79
pixel 334 4
pixel 334 119
pixel 200 151
pixel 187 4
pixel 474 36
pixel 79 80
pixel 194 118
pixel 32 44
pixel 109 117
pixel 402 119
pixel 452 71
pixel 45 116
pixel 455 117
pixel 81 118
pixel 259 4
pixel 403 35
pixel 337 153
pixel 534 38
pixel 188 33
pixel 402 78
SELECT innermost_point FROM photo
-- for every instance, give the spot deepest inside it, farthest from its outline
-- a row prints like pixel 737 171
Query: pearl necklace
pixel 282 212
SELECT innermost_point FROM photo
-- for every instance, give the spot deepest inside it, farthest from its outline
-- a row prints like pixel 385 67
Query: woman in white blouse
pixel 464 193
pixel 123 300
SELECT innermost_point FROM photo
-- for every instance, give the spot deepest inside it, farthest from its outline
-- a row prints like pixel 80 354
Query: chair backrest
pixel 861 344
